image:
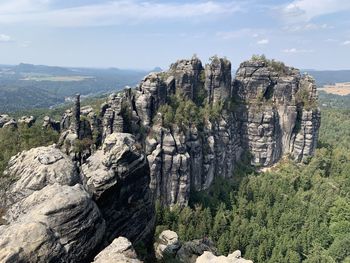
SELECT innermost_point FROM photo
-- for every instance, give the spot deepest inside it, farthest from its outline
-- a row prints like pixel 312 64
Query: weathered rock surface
pixel 167 245
pixel 57 223
pixel 117 175
pixel 282 115
pixel 32 170
pixel 119 251
pixel 187 76
pixel 49 123
pixel 4 118
pixel 191 250
pixel 268 111
pixel 235 257
pixel 26 120
pixel 218 79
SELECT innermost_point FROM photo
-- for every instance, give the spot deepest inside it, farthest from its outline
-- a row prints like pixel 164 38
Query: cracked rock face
pixel 187 74
pixel 218 79
pixel 281 117
pixel 36 168
pixel 57 223
pixel 117 175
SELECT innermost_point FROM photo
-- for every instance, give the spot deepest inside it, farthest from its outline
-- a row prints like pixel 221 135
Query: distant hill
pixel 324 77
pixel 27 86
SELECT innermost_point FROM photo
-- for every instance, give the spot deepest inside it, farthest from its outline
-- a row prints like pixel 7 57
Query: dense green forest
pixel 293 213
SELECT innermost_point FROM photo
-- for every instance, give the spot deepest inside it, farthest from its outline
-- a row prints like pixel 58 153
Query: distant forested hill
pixel 28 86
pixel 324 77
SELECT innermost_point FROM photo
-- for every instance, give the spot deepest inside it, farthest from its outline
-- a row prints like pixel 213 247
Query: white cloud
pixel 305 10
pixel 263 41
pixel 25 44
pixel 295 50
pixel 330 40
pixel 307 27
pixel 5 38
pixel 241 33
pixel 109 13
pixel 346 43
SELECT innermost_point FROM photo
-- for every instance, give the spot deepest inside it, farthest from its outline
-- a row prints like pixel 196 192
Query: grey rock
pixel 49 123
pixel 235 257
pixel 4 118
pixel 167 245
pixel 10 124
pixel 65 223
pixel 119 251
pixel 117 176
pixel 218 79
pixel 187 76
pixel 191 250
pixel 32 170
pixel 26 120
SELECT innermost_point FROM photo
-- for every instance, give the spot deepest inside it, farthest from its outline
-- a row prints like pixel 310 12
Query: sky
pixel 137 34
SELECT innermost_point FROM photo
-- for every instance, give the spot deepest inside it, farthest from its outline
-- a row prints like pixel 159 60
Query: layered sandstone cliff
pixel 265 112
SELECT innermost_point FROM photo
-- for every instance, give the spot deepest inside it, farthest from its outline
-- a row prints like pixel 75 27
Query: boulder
pixel 49 123
pixel 32 170
pixel 191 250
pixel 26 120
pixel 167 245
pixel 57 223
pixel 235 257
pixel 119 251
pixel 4 118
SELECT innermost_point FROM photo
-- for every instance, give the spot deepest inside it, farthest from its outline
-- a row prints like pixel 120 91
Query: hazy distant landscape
pixel 27 86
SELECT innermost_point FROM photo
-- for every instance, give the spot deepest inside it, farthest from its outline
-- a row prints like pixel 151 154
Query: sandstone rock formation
pixel 168 248
pixel 191 250
pixel 267 111
pixel 117 175
pixel 281 113
pixel 72 214
pixel 4 118
pixel 235 257
pixel 36 168
pixel 119 251
pixel 26 120
pixel 167 245
pixel 49 123
pixel 58 223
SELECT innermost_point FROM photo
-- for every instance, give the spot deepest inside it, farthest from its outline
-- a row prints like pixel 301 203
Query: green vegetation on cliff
pixel 293 213
pixel 13 141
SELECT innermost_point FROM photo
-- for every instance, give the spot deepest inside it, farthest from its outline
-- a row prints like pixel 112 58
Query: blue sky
pixel 144 34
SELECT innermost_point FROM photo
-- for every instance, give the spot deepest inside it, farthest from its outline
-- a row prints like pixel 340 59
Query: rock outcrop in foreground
pixel 55 213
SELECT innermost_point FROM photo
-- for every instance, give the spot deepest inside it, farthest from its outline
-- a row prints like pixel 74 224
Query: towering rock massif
pixel 267 111
pixel 281 115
